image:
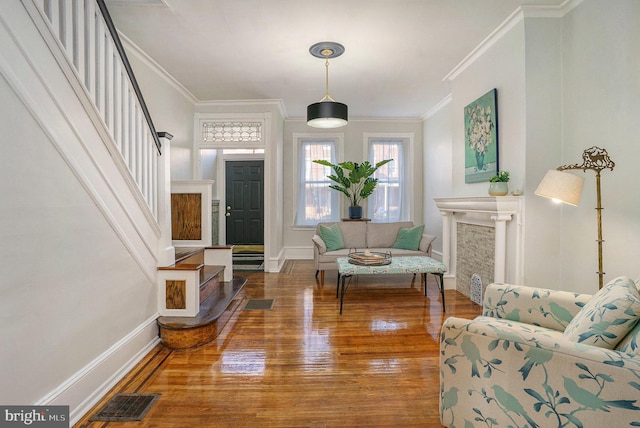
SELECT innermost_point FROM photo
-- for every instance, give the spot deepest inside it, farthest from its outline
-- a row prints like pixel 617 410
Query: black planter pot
pixel 355 212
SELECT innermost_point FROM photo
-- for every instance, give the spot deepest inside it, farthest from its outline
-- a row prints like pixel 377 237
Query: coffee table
pixel 402 264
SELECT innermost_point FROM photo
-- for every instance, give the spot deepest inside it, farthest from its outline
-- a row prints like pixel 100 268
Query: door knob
pixel 228 207
pixel 228 214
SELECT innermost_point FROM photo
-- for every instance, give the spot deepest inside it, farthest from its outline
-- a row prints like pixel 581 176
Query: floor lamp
pixel 565 187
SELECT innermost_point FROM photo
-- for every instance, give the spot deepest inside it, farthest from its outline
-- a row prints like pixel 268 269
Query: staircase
pixel 218 300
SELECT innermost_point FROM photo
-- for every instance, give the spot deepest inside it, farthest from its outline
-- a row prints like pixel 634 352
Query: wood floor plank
pixel 302 363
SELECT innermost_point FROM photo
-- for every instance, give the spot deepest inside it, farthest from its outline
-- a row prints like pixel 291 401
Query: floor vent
pixel 259 305
pixel 476 289
pixel 126 407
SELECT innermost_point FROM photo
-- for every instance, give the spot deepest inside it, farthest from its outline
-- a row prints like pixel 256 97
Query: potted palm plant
pixel 354 180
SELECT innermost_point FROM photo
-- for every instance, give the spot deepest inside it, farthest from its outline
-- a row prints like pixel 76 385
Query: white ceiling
pixel 397 52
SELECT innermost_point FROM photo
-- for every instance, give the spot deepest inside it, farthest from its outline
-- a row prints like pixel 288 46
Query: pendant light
pixel 327 113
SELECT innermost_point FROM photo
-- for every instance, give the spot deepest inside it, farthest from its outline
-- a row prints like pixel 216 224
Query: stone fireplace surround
pixel 505 214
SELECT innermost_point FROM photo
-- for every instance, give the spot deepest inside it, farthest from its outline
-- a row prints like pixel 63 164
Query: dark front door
pixel 245 202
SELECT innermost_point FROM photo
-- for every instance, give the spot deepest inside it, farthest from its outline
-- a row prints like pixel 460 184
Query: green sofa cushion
pixel 409 238
pixel 332 237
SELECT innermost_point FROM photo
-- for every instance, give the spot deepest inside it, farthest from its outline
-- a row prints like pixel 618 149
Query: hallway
pixel 302 364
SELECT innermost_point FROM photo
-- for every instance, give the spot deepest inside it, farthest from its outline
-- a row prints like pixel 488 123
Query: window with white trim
pixel 316 202
pixel 391 199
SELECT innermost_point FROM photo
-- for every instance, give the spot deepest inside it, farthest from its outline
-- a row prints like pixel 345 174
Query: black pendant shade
pixel 327 114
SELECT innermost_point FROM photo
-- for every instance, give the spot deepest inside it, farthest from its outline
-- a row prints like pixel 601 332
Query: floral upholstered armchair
pixel 543 358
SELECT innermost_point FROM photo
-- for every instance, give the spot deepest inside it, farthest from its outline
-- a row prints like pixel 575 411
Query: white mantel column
pixel 166 251
pixel 449 277
pixel 500 242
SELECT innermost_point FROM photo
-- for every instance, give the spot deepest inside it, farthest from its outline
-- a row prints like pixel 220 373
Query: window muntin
pixel 389 202
pixel 316 202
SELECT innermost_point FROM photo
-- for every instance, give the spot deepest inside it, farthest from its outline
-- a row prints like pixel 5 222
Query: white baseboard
pixel 298 253
pixel 274 264
pixel 449 282
pixel 85 388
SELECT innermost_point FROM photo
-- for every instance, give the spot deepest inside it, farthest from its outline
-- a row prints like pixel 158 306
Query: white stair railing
pixel 93 49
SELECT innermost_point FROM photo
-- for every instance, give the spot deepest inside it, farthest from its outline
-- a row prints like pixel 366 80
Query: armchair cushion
pixel 630 342
pixel 608 316
pixel 409 238
pixel 332 237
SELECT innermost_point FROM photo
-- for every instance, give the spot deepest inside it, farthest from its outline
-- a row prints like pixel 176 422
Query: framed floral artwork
pixel 481 138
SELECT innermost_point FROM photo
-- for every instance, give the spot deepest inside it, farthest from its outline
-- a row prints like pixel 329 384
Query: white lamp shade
pixel 562 186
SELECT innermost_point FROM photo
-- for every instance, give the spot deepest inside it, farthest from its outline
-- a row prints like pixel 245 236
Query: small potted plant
pixel 355 181
pixel 499 184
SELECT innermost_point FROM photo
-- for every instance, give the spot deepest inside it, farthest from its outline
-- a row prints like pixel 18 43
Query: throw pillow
pixel 610 314
pixel 409 238
pixel 332 237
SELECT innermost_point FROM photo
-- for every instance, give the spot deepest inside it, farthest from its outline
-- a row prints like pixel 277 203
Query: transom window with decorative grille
pixel 231 132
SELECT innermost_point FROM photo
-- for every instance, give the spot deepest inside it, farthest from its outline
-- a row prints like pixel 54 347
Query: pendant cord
pixel 326 97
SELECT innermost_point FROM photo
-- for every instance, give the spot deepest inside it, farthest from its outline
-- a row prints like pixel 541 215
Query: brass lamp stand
pixel 554 185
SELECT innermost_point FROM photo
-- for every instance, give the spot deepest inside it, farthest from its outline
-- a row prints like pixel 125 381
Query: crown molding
pixel 225 103
pixel 151 63
pixel 436 108
pixel 558 11
pixel 164 74
pixel 487 43
pixel 518 15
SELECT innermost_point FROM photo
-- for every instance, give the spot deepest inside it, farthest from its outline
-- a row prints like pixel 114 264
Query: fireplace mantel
pixel 495 205
pixel 504 213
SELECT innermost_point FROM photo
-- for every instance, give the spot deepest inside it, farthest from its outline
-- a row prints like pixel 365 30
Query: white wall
pixel 299 239
pixel 601 85
pixel 438 161
pixel 543 149
pixel 502 67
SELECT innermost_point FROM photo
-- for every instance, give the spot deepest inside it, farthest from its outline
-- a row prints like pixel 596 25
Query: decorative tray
pixel 369 258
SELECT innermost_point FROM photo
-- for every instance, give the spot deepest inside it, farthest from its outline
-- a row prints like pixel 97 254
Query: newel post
pixel 166 251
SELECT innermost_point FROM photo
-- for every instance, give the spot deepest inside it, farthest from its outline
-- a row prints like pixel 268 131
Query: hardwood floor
pixel 302 364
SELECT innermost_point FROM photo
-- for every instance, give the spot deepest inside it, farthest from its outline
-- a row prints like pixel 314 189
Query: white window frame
pixel 298 140
pixel 407 168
